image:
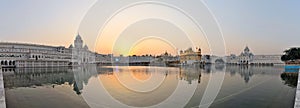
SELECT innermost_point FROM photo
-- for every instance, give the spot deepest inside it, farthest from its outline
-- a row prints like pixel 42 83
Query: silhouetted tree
pixel 291 54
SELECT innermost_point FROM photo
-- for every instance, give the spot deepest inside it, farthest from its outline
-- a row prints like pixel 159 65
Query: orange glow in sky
pixel 152 46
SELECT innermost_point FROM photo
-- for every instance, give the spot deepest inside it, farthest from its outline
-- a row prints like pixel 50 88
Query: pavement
pixel 2 91
pixel 297 98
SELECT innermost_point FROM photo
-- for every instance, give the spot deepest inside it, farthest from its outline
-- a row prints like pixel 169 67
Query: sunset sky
pixel 267 27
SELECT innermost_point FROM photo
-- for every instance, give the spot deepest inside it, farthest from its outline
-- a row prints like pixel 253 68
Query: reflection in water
pixel 190 73
pixel 122 88
pixel 76 89
pixel 30 77
pixel 245 71
pixel 237 78
pixel 42 87
pixel 290 79
pixel 33 77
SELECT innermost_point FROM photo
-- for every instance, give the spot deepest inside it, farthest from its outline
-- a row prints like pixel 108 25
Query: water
pixel 144 86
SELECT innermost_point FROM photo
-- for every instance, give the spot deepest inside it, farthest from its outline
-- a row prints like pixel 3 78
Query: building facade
pixel 188 57
pixel 81 53
pixel 33 55
pixel 248 58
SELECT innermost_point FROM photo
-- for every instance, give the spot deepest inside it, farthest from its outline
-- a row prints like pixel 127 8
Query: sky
pixel 267 27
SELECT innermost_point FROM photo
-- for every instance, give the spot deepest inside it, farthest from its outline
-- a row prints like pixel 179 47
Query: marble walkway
pixel 297 98
pixel 2 92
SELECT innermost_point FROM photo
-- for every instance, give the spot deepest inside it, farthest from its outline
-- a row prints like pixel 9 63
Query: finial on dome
pixel 78 36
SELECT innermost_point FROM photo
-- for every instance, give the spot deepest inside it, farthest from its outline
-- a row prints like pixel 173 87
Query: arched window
pixel 5 63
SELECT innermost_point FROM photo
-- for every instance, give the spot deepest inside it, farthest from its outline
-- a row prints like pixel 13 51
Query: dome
pixel 166 53
pixel 78 37
pixel 181 51
pixel 199 49
pixel 78 42
pixel 247 49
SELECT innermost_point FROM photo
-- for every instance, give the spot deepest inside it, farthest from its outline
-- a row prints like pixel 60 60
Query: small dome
pixel 166 53
pixel 199 49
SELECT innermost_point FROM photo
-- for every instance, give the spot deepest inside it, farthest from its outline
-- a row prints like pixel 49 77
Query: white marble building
pixel 33 55
pixel 81 53
pixel 248 58
pixel 267 59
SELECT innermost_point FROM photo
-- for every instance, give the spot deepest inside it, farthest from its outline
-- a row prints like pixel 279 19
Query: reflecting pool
pixel 150 86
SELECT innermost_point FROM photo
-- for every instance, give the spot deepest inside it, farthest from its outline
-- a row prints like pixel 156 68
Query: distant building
pixel 248 58
pixel 103 58
pixel 168 58
pixel 212 59
pixel 163 59
pixel 81 54
pixel 143 58
pixel 32 55
pixel 188 57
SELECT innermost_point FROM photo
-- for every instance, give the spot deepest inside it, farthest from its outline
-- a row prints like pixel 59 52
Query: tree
pixel 291 54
